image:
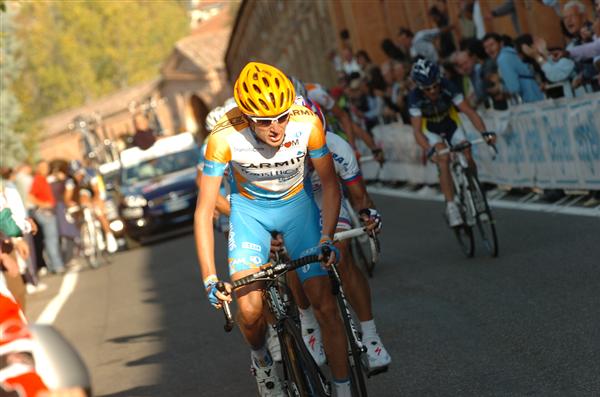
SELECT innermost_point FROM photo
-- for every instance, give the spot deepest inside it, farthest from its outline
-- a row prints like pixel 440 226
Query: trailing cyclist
pixel 86 189
pixel 354 281
pixel 433 106
pixel 266 142
pixel 347 128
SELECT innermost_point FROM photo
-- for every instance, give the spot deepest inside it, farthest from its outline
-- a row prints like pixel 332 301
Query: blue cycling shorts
pixel 252 221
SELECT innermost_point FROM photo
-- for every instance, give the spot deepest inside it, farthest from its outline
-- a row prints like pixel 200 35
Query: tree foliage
pixel 12 150
pixel 77 51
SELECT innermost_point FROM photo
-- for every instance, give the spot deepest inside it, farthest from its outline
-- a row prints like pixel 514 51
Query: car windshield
pixel 160 166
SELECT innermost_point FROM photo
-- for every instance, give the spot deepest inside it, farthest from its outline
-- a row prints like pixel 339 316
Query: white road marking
pixel 513 205
pixel 52 309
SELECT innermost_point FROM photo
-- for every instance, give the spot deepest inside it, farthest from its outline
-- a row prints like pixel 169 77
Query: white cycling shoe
pixel 314 344
pixel 453 214
pixel 267 380
pixel 111 243
pixel 273 344
pixel 378 358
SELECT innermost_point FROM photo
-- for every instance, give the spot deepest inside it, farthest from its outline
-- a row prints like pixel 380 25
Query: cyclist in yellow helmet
pixel 267 141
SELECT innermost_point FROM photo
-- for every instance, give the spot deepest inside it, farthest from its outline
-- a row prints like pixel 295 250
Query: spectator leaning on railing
pixel 578 26
pixel 517 76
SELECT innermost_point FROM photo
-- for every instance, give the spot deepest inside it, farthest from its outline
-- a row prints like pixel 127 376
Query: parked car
pixel 157 188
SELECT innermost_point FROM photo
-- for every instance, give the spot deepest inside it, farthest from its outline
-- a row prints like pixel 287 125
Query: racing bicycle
pixel 301 374
pixel 471 200
pixel 92 243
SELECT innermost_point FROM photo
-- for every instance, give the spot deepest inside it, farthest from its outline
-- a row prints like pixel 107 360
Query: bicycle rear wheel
pixel 90 247
pixel 303 376
pixel 486 224
pixel 464 235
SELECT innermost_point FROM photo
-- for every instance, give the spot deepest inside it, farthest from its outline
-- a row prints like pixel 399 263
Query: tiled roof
pixel 206 50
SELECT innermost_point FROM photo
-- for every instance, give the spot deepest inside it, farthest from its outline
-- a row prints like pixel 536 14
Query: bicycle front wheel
pixel 361 252
pixel 486 225
pixel 90 246
pixel 303 376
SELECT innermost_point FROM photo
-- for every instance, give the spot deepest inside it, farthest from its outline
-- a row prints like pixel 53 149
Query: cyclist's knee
pixel 250 309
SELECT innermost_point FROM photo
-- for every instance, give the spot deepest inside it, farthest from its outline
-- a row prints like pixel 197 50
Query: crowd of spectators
pixel 33 222
pixel 495 71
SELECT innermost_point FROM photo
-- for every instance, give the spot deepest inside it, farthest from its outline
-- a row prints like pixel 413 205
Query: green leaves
pixel 75 52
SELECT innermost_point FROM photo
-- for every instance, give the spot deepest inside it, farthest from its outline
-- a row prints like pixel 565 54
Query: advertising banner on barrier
pixel 549 144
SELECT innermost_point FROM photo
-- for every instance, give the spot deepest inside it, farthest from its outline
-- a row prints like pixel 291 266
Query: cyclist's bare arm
pixel 417 125
pixel 472 115
pixel 331 193
pixel 68 197
pixel 359 197
pixel 222 205
pixel 203 225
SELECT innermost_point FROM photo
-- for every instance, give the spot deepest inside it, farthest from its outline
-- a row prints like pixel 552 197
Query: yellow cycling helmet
pixel 262 90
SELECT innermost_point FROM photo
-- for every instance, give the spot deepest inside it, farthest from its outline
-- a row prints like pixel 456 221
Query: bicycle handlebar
pixel 465 145
pixel 267 271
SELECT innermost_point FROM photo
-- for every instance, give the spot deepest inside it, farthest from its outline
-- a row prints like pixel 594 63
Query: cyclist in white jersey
pixel 266 142
pixel 356 285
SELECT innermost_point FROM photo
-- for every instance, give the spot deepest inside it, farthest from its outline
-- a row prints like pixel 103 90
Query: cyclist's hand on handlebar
pixel 372 219
pixel 215 297
pixel 330 254
pixel 430 153
pixel 378 155
pixel 490 137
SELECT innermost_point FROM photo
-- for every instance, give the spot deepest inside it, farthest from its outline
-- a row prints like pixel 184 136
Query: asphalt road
pixel 524 324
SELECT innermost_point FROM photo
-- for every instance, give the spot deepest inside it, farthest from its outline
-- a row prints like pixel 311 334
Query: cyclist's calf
pixel 250 316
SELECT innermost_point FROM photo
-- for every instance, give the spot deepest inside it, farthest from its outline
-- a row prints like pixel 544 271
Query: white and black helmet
pixel 213 117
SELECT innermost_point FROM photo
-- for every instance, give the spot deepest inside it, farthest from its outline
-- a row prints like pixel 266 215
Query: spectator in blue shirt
pixel 517 76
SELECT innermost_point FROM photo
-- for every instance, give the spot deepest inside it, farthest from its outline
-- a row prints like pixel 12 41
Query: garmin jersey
pixel 440 116
pixel 344 160
pixel 257 170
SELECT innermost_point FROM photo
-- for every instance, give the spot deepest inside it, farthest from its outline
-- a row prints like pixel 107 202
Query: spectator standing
pixel 506 8
pixel 349 63
pixel 144 136
pixel 404 41
pixel 440 17
pixel 41 196
pixel 466 25
pixel 469 68
pixel 24 245
pixel 422 44
pixel 576 23
pixel 67 231
pixel 392 51
pixel 517 76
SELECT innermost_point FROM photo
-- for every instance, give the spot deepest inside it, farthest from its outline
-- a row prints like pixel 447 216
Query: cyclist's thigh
pixel 301 232
pixel 249 240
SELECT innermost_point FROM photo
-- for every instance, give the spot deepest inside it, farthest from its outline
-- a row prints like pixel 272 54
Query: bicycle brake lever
pixel 226 309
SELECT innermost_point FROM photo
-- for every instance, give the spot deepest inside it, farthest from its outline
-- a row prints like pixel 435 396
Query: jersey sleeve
pixel 321 97
pixel 317 146
pixel 201 158
pixel 414 108
pixel 218 154
pixel 344 159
